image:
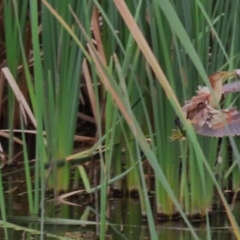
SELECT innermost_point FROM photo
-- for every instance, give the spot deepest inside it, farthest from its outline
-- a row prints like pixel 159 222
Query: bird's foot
pixel 177 134
pixel 178 122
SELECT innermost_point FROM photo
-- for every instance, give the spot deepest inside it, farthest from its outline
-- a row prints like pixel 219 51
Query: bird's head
pixel 221 76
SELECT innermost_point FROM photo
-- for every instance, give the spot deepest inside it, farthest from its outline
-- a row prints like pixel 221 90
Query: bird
pixel 202 110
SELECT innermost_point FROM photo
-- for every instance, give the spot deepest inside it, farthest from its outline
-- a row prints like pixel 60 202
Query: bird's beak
pixel 228 75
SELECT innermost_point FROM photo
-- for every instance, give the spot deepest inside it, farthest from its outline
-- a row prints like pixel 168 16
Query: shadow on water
pixel 123 215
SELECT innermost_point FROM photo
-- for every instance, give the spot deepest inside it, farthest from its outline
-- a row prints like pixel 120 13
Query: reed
pixel 134 69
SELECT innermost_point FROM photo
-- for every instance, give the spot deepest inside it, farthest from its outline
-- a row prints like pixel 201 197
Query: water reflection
pixel 126 223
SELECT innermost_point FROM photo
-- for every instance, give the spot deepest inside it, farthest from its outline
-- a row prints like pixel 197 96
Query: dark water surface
pixel 124 216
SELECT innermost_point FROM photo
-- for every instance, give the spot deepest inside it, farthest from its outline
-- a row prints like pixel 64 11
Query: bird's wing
pixel 196 103
pixel 215 123
pixel 231 87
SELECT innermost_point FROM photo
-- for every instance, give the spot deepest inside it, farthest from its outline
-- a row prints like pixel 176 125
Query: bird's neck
pixel 216 95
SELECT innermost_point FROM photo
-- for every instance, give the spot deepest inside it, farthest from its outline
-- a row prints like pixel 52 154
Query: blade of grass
pixel 138 134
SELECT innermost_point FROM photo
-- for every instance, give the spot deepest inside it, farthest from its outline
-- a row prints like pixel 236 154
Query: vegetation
pixel 125 70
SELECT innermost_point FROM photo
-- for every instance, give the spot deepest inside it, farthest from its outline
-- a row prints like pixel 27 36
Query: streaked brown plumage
pixel 202 109
pixel 216 123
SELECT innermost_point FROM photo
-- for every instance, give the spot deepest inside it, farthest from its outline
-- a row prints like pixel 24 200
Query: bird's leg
pixel 179 133
pixel 178 122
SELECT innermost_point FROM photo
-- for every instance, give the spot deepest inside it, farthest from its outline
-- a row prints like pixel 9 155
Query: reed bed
pixel 124 70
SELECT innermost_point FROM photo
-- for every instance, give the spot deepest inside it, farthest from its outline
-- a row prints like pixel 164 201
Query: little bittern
pixel 202 110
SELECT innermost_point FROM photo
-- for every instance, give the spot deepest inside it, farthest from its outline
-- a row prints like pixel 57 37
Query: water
pixel 124 216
